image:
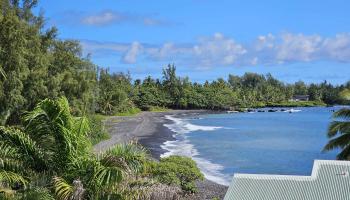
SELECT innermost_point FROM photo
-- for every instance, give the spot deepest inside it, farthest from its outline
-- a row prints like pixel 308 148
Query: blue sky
pixel 206 39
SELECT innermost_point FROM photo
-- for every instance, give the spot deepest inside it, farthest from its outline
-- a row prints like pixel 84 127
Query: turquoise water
pixel 262 143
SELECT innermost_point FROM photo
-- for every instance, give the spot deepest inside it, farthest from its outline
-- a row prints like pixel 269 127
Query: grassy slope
pixel 130 112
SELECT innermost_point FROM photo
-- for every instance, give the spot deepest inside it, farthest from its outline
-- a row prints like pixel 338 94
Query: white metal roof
pixel 329 180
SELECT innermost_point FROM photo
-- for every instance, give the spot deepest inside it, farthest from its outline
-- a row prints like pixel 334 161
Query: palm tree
pixel 51 149
pixel 107 175
pixel 50 139
pixel 339 134
pixel 339 131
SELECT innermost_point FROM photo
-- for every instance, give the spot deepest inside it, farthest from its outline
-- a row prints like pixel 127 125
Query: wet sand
pixel 146 127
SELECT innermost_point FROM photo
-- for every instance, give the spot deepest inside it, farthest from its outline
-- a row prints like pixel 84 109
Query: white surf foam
pixel 183 147
pixel 182 126
pixel 292 110
pixel 179 147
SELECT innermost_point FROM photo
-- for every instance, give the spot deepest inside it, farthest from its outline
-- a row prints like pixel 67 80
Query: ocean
pixel 285 143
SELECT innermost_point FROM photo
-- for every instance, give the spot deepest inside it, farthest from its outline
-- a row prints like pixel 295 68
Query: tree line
pixel 35 64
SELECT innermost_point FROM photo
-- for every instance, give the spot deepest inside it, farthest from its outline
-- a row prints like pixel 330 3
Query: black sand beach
pixel 149 130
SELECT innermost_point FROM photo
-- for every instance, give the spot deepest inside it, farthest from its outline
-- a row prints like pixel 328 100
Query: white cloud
pixel 93 46
pixel 297 47
pixel 265 42
pixel 288 47
pixel 148 21
pixel 337 48
pixel 103 18
pixel 131 55
pixel 108 17
pixel 219 50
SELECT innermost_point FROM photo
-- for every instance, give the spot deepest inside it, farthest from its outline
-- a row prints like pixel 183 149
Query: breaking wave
pixel 182 146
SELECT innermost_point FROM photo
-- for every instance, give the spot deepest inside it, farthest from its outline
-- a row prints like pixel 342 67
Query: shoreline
pixel 148 129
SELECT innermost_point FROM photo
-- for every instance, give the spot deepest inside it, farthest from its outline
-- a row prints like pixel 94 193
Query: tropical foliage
pixel 339 130
pixel 339 134
pixel 49 157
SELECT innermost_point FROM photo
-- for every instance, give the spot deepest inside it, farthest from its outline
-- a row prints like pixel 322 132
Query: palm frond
pixel 9 159
pixel 132 154
pixel 8 178
pixel 344 154
pixel 99 178
pixel 338 127
pixel 47 117
pixel 107 176
pixel 63 190
pixel 343 113
pixel 29 152
pixel 51 120
pixel 339 142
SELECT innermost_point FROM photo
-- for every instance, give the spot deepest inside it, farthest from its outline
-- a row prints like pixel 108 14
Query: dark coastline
pixel 162 134
pixel 153 142
pixel 207 189
pixel 149 130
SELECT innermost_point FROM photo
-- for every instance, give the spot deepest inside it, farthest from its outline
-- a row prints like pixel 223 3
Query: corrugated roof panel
pixel 330 180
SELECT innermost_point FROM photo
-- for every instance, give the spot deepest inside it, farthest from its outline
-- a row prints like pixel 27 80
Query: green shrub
pixel 158 109
pixel 130 112
pixel 98 131
pixel 177 170
pixel 296 104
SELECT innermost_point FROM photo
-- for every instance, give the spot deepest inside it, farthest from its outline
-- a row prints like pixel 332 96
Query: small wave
pixel 183 147
pixel 182 126
pixel 211 171
pixel 179 147
pixel 292 110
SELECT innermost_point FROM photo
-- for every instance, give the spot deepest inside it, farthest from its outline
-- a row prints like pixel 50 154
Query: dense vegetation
pixel 35 64
pixel 49 157
pixel 37 69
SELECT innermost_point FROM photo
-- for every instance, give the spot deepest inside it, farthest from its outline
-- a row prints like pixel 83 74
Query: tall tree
pixel 171 84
